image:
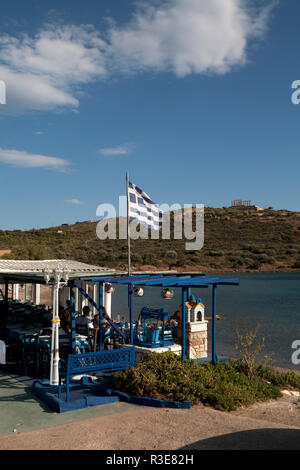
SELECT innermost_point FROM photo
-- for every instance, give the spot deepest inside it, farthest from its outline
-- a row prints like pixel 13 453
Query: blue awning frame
pixel 186 283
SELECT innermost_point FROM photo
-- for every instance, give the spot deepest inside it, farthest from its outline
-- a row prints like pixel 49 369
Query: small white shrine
pixel 195 311
pixel 196 329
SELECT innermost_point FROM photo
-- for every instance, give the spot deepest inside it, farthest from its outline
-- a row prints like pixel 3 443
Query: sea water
pixel 269 301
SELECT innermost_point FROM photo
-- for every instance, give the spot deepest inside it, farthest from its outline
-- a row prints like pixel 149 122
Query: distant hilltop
pixel 252 239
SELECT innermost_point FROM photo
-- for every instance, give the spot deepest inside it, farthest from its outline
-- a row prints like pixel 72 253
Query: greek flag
pixel 142 210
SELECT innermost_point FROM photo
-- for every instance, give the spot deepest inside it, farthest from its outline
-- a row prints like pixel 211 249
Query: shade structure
pixel 15 271
pixel 184 282
pixel 170 281
pixel 34 271
pixel 56 273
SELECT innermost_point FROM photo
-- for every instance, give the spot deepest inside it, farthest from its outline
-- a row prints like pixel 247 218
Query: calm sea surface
pixel 271 301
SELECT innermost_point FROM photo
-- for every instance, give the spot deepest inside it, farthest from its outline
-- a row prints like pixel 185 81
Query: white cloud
pixel 119 150
pixel 29 160
pixel 76 202
pixel 188 36
pixel 47 71
pixel 39 133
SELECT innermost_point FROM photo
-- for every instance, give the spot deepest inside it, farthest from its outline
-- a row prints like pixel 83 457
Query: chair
pixel 106 339
pixel 116 338
pixel 30 353
pixel 82 330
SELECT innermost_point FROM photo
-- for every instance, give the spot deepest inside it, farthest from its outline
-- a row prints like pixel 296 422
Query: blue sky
pixel 194 101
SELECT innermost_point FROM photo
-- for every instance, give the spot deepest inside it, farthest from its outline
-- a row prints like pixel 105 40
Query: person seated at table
pixel 105 327
pixel 64 335
pixel 104 323
pixel 176 316
pixel 64 316
pixel 67 311
pixel 176 324
pixel 84 323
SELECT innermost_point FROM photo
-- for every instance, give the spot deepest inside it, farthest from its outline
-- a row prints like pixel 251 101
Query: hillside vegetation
pixel 235 240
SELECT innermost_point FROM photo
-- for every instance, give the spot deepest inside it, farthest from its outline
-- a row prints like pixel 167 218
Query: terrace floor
pixel 21 411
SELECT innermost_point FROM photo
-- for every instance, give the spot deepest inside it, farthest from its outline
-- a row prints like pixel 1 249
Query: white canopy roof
pixel 22 270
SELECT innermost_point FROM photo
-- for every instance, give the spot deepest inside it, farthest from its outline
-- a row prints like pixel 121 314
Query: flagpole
pixel 128 228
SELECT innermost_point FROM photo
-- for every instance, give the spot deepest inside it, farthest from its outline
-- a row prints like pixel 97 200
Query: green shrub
pixel 135 258
pixel 291 251
pixel 215 253
pixel 149 258
pixel 248 346
pixel 254 265
pixel 258 251
pixel 278 378
pixel 171 254
pixel 166 376
pixel 270 260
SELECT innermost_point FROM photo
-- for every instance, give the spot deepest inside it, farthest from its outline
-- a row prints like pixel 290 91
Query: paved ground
pixel 20 411
pixel 273 425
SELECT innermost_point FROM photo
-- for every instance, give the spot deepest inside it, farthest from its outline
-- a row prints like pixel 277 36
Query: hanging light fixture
pixel 47 275
pixel 109 289
pixel 167 294
pixel 138 291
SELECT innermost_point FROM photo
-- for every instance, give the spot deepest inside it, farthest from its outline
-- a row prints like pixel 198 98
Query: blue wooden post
pixel 130 291
pixel 100 314
pixel 72 319
pixel 214 321
pixel 183 301
pixel 189 293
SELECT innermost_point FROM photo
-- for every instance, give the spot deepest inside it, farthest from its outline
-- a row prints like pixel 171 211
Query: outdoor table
pixel 20 333
pixel 45 347
pixel 28 338
pixel 80 341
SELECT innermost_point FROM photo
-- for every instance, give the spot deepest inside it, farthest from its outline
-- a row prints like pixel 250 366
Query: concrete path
pixel 272 425
pixel 161 429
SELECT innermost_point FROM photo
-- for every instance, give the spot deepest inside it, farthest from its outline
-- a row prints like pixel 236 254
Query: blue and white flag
pixel 142 210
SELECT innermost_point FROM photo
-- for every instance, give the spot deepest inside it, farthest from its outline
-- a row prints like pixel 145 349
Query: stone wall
pixel 196 340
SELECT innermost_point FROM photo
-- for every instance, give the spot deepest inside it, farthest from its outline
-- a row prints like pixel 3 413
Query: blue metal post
pixel 91 301
pixel 72 319
pixel 214 320
pixel 130 291
pixel 6 292
pixel 183 301
pixel 100 314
